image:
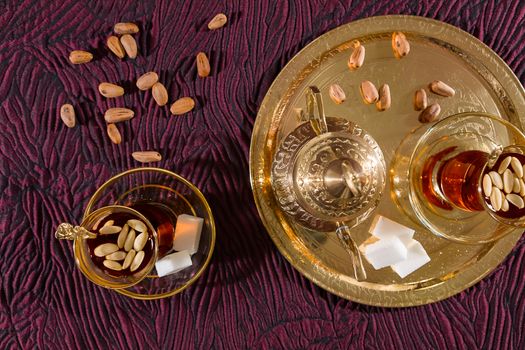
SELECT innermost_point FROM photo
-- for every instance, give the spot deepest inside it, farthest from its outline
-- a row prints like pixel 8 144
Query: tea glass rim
pixel 423 138
pixel 107 183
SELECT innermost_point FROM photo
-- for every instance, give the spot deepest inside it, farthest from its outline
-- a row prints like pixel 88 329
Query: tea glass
pixel 455 210
pixel 158 197
pixel 82 234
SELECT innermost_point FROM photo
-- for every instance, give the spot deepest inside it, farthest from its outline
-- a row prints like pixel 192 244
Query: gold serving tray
pixel 483 82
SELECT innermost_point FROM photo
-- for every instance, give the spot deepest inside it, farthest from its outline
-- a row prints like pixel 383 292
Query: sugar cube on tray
pixel 416 257
pixel 384 252
pixel 393 244
pixel 383 227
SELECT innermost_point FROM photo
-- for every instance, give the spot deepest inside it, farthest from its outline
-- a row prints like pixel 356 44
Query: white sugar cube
pixel 416 257
pixel 406 240
pixel 383 252
pixel 173 263
pixel 383 227
pixel 187 233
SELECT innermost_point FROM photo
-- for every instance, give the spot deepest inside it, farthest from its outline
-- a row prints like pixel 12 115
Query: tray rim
pixel 469 276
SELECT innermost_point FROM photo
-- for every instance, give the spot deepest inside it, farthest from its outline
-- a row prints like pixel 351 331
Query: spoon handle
pixel 343 233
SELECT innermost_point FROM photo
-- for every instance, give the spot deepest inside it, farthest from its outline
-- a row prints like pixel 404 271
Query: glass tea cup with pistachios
pixel 114 246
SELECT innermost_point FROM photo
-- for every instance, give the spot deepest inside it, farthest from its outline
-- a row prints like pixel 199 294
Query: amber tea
pixel 450 178
pixel 163 219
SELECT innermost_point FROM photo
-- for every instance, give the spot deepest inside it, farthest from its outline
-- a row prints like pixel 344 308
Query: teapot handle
pixel 317 120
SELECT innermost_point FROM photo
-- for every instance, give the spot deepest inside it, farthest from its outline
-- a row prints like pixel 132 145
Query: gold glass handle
pixel 317 120
pixel 68 231
pixel 343 233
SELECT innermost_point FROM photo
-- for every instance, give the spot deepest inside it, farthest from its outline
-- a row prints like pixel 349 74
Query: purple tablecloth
pixel 250 297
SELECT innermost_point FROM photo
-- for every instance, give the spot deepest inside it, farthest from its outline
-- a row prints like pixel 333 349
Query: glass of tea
pixel 114 246
pixel 462 177
pixel 154 197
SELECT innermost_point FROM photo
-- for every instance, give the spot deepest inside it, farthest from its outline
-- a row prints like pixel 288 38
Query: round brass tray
pixel 438 52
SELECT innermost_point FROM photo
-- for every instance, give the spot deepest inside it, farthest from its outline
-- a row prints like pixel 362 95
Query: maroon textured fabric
pixel 250 297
